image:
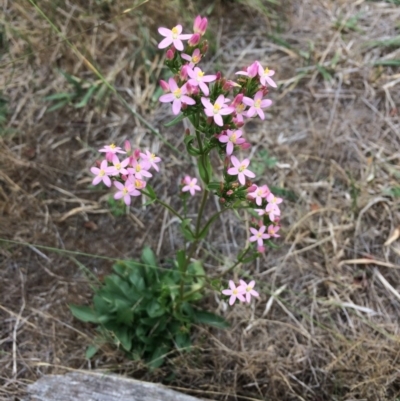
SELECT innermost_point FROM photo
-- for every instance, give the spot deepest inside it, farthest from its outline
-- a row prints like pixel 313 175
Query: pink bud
pixel 127 146
pixel 229 193
pixel 186 180
pixel 183 74
pixel 164 86
pixel 170 54
pixel 124 177
pixel 253 69
pixel 136 153
pixel 200 25
pixel 194 40
pixel 237 100
pixel 245 146
pixel 260 223
pixel 222 200
pixel 239 124
pixel 189 89
pixel 252 188
pixel 109 156
pixel 261 249
pixel 187 131
pixel 218 75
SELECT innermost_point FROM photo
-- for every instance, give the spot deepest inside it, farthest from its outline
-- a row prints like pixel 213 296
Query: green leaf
pixel 87 97
pixel 271 244
pixel 189 139
pixel 176 120
pixel 158 356
pixel 181 259
pixel 155 309
pixel 57 106
pixel 182 340
pixel 91 350
pixel 84 313
pixel 210 319
pixel 324 72
pixel 388 63
pixel 148 257
pixel 151 192
pixel 205 169
pixel 123 336
pixel 214 186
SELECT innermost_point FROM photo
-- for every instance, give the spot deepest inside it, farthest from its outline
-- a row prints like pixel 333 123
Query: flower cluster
pixel 127 175
pixel 218 108
pixel 243 292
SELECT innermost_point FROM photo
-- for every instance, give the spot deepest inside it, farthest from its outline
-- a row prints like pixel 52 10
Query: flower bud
pixel 200 25
pixel 252 188
pixel 170 54
pixel 164 86
pixel 222 200
pixel 204 47
pixel 194 40
pixel 187 131
pixel 127 147
pixel 235 185
pixel 210 120
pixel 124 177
pixel 136 153
pixel 229 193
pixel 218 75
pixel 245 146
pixel 183 74
pixel 261 249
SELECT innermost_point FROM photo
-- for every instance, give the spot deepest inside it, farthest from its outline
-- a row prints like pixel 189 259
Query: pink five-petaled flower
pixel 257 104
pixel 172 36
pixel 177 96
pixel 125 191
pixel 272 231
pixel 151 158
pixel 234 292
pixel 101 174
pixel 111 149
pixel 217 110
pixel 191 185
pixel 139 169
pixel 231 139
pixel 199 79
pixel 193 59
pixel 258 235
pixel 118 167
pixel 251 70
pixel 265 76
pixel 248 289
pixel 272 208
pixel 240 169
pixel 259 193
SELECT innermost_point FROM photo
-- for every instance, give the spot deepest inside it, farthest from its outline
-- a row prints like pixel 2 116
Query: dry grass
pixel 327 324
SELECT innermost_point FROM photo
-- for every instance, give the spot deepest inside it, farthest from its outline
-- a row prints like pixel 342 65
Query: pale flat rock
pixel 94 386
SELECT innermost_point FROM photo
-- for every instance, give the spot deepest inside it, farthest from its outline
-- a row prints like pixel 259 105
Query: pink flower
pixel 265 76
pixel 199 79
pixel 257 105
pixel 272 231
pixel 111 149
pixel 248 289
pixel 272 208
pixel 177 97
pixel 239 108
pixel 125 191
pixel 251 70
pixel 217 110
pixel 240 169
pixel 118 167
pixel 260 193
pixel 234 292
pixel 258 235
pixel 193 59
pixel 151 158
pixel 200 25
pixel 232 138
pixel 139 169
pixel 190 185
pixel 172 36
pixel 101 174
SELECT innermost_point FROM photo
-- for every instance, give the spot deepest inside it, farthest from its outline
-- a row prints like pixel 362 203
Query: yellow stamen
pixel 217 108
pixel 200 74
pixel 266 71
pixel 257 103
pixel 112 146
pixel 118 166
pixel 102 173
pixel 174 32
pixel 177 93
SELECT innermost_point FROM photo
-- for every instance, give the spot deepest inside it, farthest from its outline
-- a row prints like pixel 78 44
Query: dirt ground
pixel 326 326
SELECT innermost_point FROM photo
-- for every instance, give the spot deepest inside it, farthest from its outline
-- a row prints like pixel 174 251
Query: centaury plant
pixel 148 309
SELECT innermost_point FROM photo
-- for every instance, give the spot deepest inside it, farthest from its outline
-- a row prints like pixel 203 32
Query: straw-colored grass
pixel 326 326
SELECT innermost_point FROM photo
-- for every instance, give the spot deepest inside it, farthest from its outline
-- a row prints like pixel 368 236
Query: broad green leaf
pixel 210 319
pixel 84 313
pixel 155 309
pixel 124 337
pixel 91 351
pixel 148 256
pixel 182 340
pixel 158 356
pixel 214 186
